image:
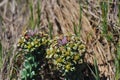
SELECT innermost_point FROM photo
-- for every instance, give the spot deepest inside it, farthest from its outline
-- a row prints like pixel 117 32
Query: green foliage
pixel 77 28
pixel 32 21
pixel 96 72
pixel 0 55
pixel 104 7
pixel 38 12
pixel 65 53
pixel 80 19
pixel 117 62
pixel 30 68
pixel 97 77
pixel 50 29
pixel 119 14
pixel 105 32
pixel 33 46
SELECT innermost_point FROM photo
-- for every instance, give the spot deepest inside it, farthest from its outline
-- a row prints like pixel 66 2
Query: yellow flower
pixel 29 46
pixel 51 49
pixel 82 47
pixel 48 51
pixel 36 41
pixel 49 54
pixel 68 67
pixel 76 57
pixel 68 48
pixel 58 50
pixel 67 53
pixel 71 45
pixel 21 40
pixel 59 60
pixel 75 47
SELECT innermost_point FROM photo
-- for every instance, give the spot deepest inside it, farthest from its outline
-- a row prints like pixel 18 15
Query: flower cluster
pixel 31 41
pixel 65 53
pixel 33 45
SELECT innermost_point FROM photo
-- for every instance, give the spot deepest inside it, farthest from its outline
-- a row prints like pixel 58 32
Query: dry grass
pixel 15 15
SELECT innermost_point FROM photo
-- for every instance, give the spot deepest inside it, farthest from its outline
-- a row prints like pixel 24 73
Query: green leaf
pixel 96 70
pixel 27 65
pixel 23 74
pixel 32 73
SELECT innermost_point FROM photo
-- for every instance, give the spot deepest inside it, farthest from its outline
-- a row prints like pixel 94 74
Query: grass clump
pixel 117 62
pixel 0 55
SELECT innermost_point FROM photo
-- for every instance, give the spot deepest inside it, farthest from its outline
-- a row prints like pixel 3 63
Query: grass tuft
pixel 96 72
pixel 32 22
pixel 117 63
pixel 104 7
pixel 50 29
pixel 0 55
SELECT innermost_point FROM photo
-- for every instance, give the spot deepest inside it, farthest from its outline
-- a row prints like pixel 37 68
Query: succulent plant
pixel 30 66
pixel 31 40
pixel 33 45
pixel 65 53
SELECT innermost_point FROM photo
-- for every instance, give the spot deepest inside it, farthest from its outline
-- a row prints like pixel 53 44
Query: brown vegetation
pixel 62 14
